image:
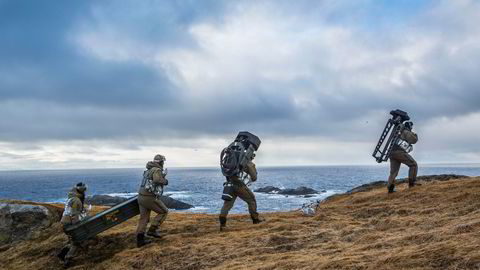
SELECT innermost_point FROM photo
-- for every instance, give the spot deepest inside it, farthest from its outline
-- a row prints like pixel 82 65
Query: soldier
pixel 240 189
pixel 149 195
pixel 74 212
pixel 400 155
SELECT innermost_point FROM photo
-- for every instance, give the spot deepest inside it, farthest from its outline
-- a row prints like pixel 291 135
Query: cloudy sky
pixel 102 84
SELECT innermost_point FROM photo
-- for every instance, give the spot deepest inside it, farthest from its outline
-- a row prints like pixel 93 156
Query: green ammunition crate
pixel 104 220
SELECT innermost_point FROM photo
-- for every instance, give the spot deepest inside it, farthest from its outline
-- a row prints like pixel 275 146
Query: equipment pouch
pixel 227 192
pixel 405 145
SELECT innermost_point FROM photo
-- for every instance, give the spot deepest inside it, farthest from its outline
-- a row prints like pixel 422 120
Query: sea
pixel 202 187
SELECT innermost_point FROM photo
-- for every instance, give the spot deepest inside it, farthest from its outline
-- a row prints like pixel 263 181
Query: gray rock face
pixel 20 221
pixel 288 191
pixel 111 201
pixel 104 200
pixel 424 178
pixel 171 203
pixel 268 189
pixel 298 191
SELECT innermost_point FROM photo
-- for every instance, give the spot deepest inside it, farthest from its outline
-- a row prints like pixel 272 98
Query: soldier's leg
pixel 162 212
pixel 143 221
pixel 227 205
pixel 412 168
pixel 247 195
pixel 394 168
pixel 74 246
pixel 144 215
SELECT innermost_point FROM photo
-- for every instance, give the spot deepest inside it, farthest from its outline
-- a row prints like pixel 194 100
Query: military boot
pixel 141 241
pixel 257 220
pixel 391 189
pixel 152 231
pixel 61 255
pixel 67 263
pixel 223 223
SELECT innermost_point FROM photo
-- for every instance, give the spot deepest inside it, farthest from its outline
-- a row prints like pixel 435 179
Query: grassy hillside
pixel 433 226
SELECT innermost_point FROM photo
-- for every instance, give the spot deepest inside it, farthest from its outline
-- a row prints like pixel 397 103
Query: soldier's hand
pixel 166 182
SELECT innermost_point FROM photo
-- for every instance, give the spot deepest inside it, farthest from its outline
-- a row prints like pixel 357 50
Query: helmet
pixel 409 125
pixel 81 187
pixel 159 158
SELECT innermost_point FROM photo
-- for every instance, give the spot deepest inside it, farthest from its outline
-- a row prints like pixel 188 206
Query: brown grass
pixel 433 226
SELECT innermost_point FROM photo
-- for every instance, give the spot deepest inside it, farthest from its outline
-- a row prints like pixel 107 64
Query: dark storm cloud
pixel 120 69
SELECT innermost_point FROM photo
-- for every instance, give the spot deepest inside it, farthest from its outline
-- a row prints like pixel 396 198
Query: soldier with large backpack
pixel 400 154
pixel 237 166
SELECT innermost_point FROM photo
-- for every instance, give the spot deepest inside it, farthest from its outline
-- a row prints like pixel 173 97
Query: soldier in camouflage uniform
pixel 400 154
pixel 240 189
pixel 149 200
pixel 74 212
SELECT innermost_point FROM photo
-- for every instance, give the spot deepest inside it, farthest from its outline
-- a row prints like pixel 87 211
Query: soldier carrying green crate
pixel 151 189
pixel 73 213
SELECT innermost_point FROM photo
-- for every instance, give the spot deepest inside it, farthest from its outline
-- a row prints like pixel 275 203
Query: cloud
pixel 325 72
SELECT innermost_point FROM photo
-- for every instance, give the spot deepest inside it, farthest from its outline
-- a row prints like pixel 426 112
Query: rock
pixel 367 187
pixel 20 221
pixel 424 178
pixel 104 200
pixel 171 203
pixel 268 189
pixel 298 191
pixel 379 184
pixel 435 177
pixel 287 191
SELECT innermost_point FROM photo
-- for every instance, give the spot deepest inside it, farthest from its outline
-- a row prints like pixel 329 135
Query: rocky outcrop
pixel 104 200
pixel 171 203
pixel 107 200
pixel 23 221
pixel 300 191
pixel 424 178
pixel 268 189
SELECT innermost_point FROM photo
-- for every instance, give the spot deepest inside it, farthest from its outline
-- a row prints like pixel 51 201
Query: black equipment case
pixel 389 135
pixel 250 138
pixel 104 220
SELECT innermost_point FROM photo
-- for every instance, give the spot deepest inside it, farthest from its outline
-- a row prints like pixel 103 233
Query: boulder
pixel 288 191
pixel 424 178
pixel 268 189
pixel 171 203
pixel 298 191
pixel 104 200
pixel 21 221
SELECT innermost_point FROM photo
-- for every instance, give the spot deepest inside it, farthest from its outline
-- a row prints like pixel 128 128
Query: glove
pixel 166 182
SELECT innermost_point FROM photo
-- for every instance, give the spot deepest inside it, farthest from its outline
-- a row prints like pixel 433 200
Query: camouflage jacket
pixel 73 208
pixel 155 174
pixel 250 169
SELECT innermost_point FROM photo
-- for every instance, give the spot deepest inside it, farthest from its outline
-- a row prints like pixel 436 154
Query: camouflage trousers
pixel 71 246
pixel 148 204
pixel 242 191
pixel 397 158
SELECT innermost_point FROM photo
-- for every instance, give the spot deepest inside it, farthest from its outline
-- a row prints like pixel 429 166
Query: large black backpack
pixel 231 159
pixel 234 157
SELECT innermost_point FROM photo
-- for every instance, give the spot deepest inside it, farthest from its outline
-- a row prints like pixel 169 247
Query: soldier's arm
pixel 158 177
pixel 410 136
pixel 77 208
pixel 252 171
